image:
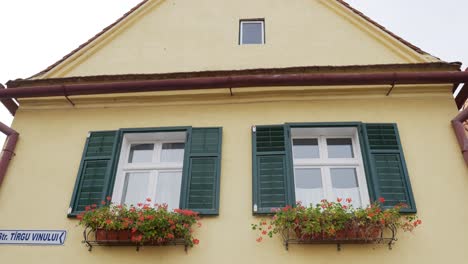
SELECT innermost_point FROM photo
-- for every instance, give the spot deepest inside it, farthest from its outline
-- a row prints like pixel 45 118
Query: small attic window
pixel 252 31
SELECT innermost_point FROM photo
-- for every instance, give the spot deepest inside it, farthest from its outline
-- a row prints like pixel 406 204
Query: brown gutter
pixel 8 149
pixel 10 105
pixel 459 128
pixel 239 81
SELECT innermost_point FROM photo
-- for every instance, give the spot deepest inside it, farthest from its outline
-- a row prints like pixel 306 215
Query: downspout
pixel 8 149
pixel 9 104
pixel 460 132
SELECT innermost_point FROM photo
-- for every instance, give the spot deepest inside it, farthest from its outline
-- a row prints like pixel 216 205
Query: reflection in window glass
pixel 345 184
pixel 168 189
pixel 135 187
pixel 340 148
pixel 308 184
pixel 141 153
pixel 172 152
pixel 252 32
pixel 306 148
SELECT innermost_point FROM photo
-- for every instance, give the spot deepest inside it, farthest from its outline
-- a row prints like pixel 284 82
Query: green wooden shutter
pixel 94 176
pixel 269 164
pixel 387 165
pixel 203 171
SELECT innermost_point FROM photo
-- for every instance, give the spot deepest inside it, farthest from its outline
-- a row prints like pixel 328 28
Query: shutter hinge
pixel 255 209
pixel 254 129
pixel 89 134
pixel 69 210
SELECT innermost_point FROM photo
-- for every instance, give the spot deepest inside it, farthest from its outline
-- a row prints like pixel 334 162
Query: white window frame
pixel 325 163
pixel 251 21
pixel 154 168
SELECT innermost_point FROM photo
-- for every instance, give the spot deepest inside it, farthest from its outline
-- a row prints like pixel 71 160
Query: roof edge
pixel 431 66
pixel 381 27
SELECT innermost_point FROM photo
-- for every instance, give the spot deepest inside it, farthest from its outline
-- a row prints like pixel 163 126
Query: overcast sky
pixel 35 34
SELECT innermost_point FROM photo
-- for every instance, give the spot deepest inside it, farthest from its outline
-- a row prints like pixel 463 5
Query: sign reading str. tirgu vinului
pixel 33 237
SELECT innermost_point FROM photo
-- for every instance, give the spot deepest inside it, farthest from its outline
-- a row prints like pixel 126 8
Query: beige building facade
pixel 178 40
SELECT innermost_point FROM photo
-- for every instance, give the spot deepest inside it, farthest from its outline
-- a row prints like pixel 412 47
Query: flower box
pixel 113 235
pixel 350 233
pixel 144 224
pixel 336 222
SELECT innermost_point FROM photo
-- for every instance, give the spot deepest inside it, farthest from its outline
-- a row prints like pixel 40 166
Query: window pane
pixel 172 152
pixel 340 148
pixel 135 187
pixel 308 184
pixel 168 189
pixel 345 184
pixel 141 153
pixel 306 148
pixel 252 33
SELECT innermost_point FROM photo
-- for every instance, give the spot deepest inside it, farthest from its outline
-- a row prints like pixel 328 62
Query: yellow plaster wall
pixel 37 189
pixel 181 35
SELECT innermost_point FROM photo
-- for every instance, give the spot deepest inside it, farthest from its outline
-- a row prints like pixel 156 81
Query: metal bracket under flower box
pixel 385 236
pixel 90 239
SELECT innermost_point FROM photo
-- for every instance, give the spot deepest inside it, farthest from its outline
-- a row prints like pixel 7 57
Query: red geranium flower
pixel 108 198
pixel 148 199
pixel 382 200
pixel 339 200
pixel 103 203
pixel 196 241
pixel 259 239
pixel 349 200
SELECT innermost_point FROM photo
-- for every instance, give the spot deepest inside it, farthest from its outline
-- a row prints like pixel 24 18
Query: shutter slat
pixel 390 177
pixel 93 178
pixel 204 171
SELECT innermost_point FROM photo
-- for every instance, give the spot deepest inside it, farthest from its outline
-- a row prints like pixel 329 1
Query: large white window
pixel 150 166
pixel 252 32
pixel 328 165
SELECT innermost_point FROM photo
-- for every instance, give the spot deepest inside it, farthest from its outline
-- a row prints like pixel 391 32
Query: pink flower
pixel 259 239
pixel 339 200
pixel 349 200
pixel 148 200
